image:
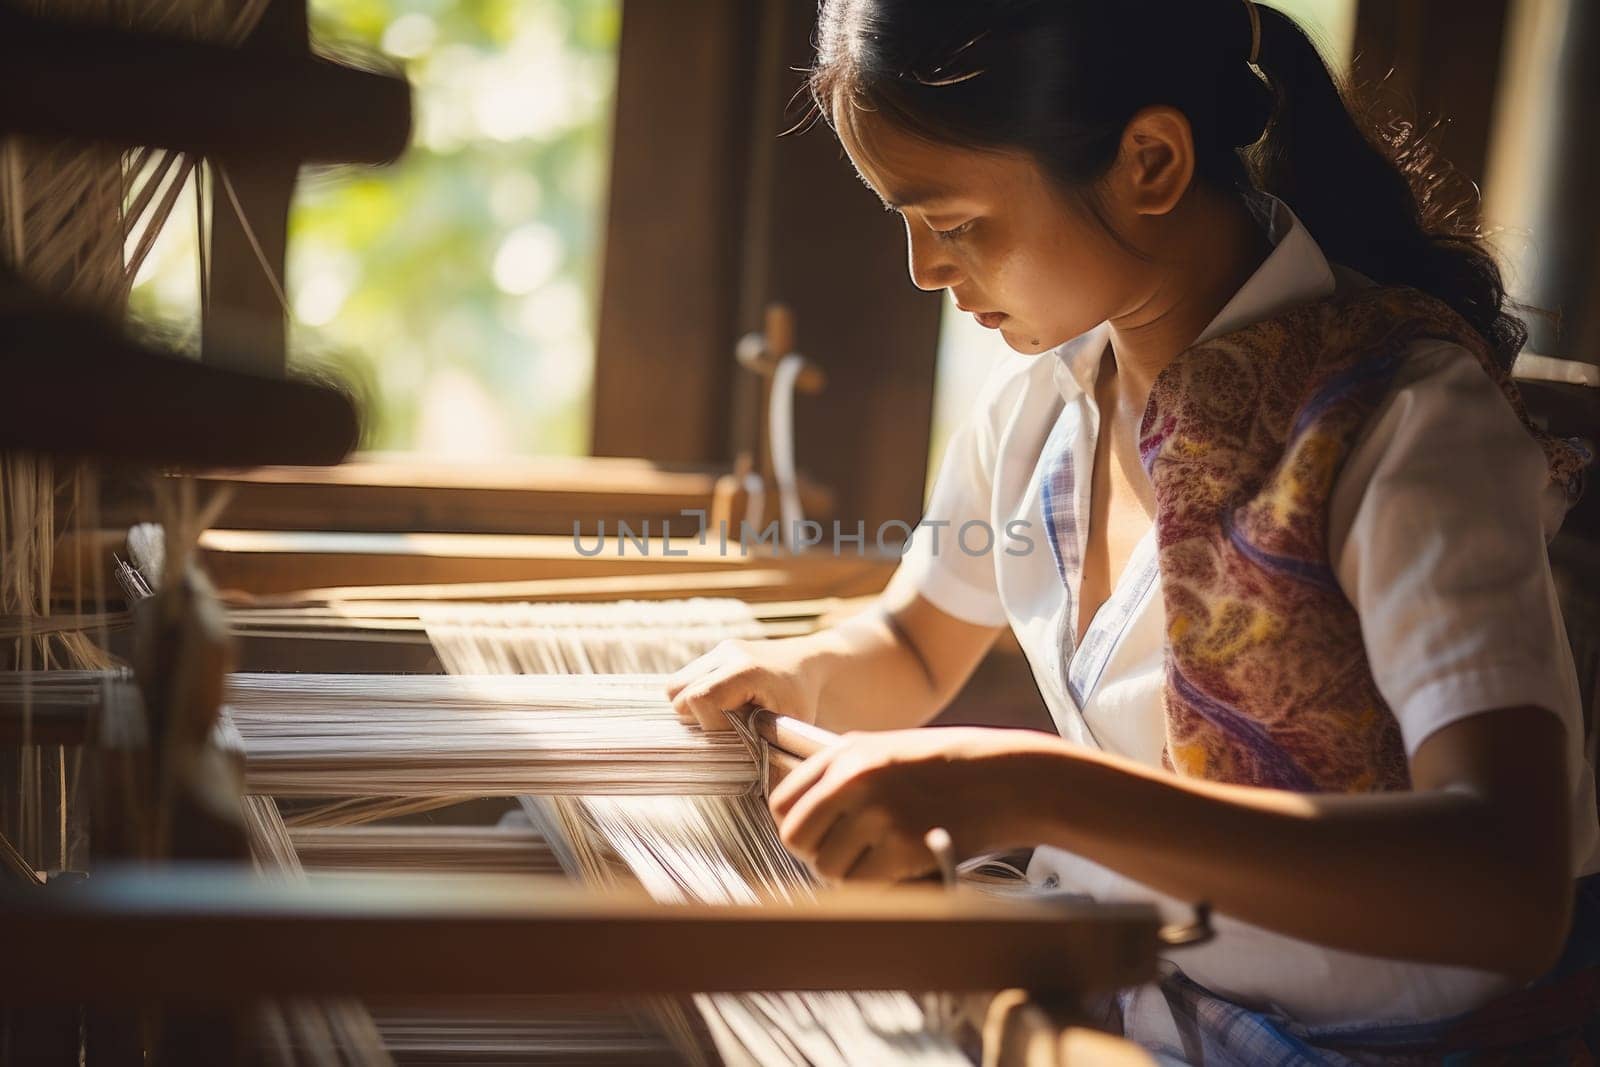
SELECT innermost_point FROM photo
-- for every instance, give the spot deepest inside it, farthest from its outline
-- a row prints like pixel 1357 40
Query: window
pixel 456 289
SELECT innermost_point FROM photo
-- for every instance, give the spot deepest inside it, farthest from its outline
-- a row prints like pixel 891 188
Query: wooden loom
pixel 164 785
pixel 955 942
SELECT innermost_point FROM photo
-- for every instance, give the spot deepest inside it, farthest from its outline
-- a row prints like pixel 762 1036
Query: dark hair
pixel 1060 79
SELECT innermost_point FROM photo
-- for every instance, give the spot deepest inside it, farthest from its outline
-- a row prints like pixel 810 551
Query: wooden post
pixel 668 292
pixel 713 215
pixel 244 325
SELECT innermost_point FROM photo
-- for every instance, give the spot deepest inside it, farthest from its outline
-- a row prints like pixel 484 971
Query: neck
pixel 1215 247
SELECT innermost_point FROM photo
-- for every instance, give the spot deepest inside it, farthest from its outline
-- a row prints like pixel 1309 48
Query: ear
pixel 1155 160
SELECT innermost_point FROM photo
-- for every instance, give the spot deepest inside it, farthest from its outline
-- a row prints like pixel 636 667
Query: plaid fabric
pixel 1555 1020
pixel 1089 662
pixel 1058 499
pixel 1060 503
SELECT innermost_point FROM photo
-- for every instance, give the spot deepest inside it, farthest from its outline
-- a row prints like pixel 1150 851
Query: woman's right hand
pixel 739 674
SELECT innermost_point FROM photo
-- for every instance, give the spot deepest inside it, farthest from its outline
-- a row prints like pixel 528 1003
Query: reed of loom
pixel 687 849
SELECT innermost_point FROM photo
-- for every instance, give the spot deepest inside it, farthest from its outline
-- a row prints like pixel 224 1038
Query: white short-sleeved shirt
pixel 1438 527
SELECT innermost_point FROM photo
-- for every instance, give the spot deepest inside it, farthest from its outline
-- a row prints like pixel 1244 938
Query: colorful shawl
pixel 1267 679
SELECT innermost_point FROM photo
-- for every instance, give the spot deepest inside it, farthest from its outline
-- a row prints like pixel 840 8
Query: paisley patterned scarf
pixel 1267 679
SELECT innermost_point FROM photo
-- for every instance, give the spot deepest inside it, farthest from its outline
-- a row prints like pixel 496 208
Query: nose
pixel 932 265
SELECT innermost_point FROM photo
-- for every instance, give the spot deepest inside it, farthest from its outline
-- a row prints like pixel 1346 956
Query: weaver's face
pixel 990 227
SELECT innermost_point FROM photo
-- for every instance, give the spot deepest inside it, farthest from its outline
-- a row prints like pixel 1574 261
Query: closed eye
pixel 954 232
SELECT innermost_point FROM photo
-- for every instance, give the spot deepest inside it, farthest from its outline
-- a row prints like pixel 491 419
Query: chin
pixel 1024 343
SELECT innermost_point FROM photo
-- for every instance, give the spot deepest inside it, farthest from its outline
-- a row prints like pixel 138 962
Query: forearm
pixel 1440 875
pixel 872 677
pixel 892 666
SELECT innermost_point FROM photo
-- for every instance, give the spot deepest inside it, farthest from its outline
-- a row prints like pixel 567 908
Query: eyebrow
pixel 899 201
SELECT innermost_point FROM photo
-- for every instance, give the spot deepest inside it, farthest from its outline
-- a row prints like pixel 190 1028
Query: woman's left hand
pixel 859 809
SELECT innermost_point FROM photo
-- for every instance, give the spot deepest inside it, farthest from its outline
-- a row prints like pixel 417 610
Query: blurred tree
pixel 461 282
pixel 456 290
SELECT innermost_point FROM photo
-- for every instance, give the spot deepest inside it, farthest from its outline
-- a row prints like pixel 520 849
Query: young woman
pixel 1264 515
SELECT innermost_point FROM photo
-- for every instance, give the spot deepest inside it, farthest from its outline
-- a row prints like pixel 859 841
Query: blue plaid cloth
pixel 1060 502
pixel 1555 1020
pixel 1058 498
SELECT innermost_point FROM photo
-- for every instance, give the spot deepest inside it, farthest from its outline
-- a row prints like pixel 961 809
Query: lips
pixel 984 319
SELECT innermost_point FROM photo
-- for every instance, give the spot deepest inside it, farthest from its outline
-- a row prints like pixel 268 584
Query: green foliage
pixel 458 287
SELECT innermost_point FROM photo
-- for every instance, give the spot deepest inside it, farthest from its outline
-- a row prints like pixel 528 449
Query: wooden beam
pixel 1546 169
pixel 534 496
pixel 47 721
pixel 134 89
pixel 457 849
pixel 58 707
pixel 218 936
pixel 667 295
pixel 266 563
pixel 97 392
pixel 348 654
pixel 1019 1031
pixel 244 325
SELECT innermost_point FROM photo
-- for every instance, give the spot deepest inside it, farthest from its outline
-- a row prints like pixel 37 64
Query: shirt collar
pixel 1295 272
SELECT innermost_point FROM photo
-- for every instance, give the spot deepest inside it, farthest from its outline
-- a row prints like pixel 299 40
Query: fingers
pixel 845 844
pixel 708 701
pixel 798 782
pixel 812 814
pixel 680 679
pixel 722 680
pixel 861 846
pixel 831 816
pixel 892 861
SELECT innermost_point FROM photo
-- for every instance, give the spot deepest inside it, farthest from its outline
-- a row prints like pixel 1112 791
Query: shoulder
pixel 1020 394
pixel 1444 441
pixel 1012 380
pixel 1438 530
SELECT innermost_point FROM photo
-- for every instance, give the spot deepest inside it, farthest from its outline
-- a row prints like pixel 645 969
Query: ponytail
pixel 1371 195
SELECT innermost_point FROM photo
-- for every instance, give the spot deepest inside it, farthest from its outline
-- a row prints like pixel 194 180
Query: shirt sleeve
pixel 941 562
pixel 1438 529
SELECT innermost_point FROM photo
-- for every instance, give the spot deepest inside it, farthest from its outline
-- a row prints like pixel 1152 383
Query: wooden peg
pixel 730 497
pixel 762 352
